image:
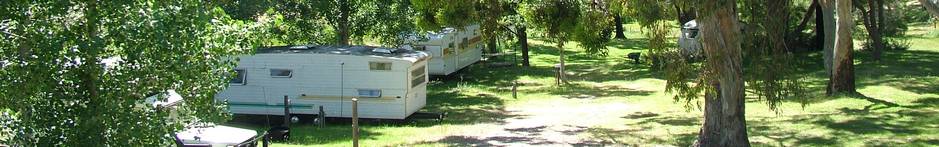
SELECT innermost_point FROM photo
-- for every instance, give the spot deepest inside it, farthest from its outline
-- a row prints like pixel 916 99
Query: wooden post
pixel 515 89
pixel 321 117
pixel 286 112
pixel 557 74
pixel 355 122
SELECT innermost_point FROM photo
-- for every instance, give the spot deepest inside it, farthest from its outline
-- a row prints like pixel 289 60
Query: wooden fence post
pixel 286 112
pixel 355 122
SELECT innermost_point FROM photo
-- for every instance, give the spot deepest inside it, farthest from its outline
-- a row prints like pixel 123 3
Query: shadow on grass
pixel 647 121
pixel 468 109
pixel 906 70
pixel 576 90
pixel 906 126
pixel 526 136
pixel 925 103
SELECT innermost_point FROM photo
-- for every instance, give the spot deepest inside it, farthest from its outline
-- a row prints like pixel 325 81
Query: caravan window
pixel 418 71
pixel 369 93
pixel 281 73
pixel 379 66
pixel 418 81
pixel 239 78
pixel 447 51
pixel 464 44
pixel 417 76
pixel 420 48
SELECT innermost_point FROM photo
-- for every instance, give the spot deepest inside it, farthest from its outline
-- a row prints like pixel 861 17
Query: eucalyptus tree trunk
pixel 725 123
pixel 842 79
pixel 874 28
pixel 827 8
pixel 342 30
pixel 880 14
pixel 777 24
pixel 932 6
pixel 618 25
pixel 522 35
pixel 92 114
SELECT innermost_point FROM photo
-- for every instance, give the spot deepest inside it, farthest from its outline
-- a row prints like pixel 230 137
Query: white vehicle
pixel 202 134
pixel 452 49
pixel 389 83
pixel 688 41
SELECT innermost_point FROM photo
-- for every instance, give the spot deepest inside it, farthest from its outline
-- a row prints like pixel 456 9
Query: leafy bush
pixel 912 13
pixel 900 43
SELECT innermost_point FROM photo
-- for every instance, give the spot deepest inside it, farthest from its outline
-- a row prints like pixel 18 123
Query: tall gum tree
pixel 725 123
pixel 842 79
pixel 827 9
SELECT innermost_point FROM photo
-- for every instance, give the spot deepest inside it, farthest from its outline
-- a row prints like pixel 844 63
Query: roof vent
pixel 382 50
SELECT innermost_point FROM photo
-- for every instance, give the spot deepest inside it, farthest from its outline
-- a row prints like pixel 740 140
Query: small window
pixel 420 48
pixel 450 45
pixel 239 78
pixel 379 66
pixel 447 51
pixel 281 73
pixel 418 81
pixel 418 71
pixel 369 93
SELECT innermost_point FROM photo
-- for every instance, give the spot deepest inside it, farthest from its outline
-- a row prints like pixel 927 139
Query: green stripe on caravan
pixel 278 105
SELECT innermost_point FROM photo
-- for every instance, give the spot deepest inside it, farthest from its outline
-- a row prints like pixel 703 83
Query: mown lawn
pixel 612 101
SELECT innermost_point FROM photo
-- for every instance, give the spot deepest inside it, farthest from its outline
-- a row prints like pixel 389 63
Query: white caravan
pixel 389 83
pixel 452 49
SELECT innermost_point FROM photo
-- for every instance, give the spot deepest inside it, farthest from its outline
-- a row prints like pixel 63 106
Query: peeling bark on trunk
pixel 777 25
pixel 522 36
pixel 725 123
pixel 827 8
pixel 618 25
pixel 842 79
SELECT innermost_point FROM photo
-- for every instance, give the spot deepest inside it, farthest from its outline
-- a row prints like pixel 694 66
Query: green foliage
pixel 60 90
pixel 648 12
pixel 770 70
pixel 911 13
pixel 558 19
pixel 320 21
pixel 435 15
pixel 594 30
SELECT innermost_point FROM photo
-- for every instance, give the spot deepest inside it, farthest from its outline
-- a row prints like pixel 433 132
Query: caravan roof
pixel 346 50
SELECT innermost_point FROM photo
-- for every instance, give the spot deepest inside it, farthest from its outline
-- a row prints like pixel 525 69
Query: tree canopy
pixel 74 70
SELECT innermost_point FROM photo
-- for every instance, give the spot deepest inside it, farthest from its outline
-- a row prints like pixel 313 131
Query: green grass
pixel 898 105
